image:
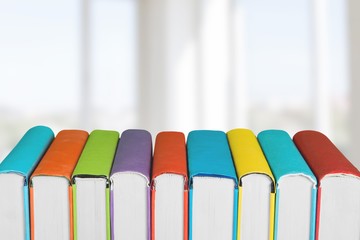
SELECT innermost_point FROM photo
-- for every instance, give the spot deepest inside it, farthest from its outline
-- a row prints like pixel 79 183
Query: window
pixel 174 65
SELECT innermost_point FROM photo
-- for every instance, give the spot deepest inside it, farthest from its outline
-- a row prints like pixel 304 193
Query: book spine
pixel 71 213
pixel 318 208
pixel 112 213
pixel 239 213
pixel 276 215
pixel 32 228
pixel 108 232
pixel 27 212
pixel 74 212
pixel 148 195
pixel 190 212
pixel 235 217
pixel 313 213
pixel 153 214
pixel 272 214
pixel 186 211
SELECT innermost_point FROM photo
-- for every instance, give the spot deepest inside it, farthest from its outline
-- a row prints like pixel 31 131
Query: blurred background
pixel 181 65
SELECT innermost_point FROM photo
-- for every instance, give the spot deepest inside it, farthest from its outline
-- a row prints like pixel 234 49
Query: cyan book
pixel 296 187
pixel 15 171
pixel 213 187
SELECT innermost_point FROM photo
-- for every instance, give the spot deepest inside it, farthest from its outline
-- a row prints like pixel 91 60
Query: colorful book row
pixel 212 185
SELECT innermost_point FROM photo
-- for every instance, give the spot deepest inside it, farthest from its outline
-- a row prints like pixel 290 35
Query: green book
pixel 90 181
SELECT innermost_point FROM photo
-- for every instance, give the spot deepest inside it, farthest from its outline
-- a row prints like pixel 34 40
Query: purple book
pixel 130 186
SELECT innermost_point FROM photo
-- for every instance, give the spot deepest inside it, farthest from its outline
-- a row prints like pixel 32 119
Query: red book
pixel 169 190
pixel 338 198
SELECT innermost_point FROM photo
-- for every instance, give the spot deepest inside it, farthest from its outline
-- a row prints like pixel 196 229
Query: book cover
pixel 169 162
pixel 210 162
pixel 132 163
pixel 59 161
pixel 322 155
pixel 92 169
pixel 249 161
pixel 21 161
pixel 294 219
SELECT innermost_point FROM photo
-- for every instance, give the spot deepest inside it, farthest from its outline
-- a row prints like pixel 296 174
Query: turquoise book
pixel 296 187
pixel 15 171
pixel 213 187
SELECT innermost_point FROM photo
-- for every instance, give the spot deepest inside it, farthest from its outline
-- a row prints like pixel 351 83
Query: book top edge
pixel 97 156
pixel 28 151
pixel 209 155
pixel 282 155
pixel 62 156
pixel 323 157
pixel 247 154
pixel 134 153
pixel 170 154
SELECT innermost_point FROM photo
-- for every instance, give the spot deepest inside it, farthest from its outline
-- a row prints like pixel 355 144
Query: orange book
pixel 169 189
pixel 50 187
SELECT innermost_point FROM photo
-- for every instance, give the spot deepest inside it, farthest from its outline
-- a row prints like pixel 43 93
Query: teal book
pixel 296 187
pixel 213 189
pixel 15 171
pixel 91 186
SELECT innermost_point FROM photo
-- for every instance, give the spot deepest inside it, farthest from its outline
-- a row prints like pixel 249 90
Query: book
pixel 213 189
pixel 256 186
pixel 15 171
pixel 91 192
pixel 338 199
pixel 50 187
pixel 130 186
pixel 169 187
pixel 296 187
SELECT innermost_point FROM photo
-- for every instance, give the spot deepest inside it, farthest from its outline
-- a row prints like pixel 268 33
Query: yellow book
pixel 256 187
